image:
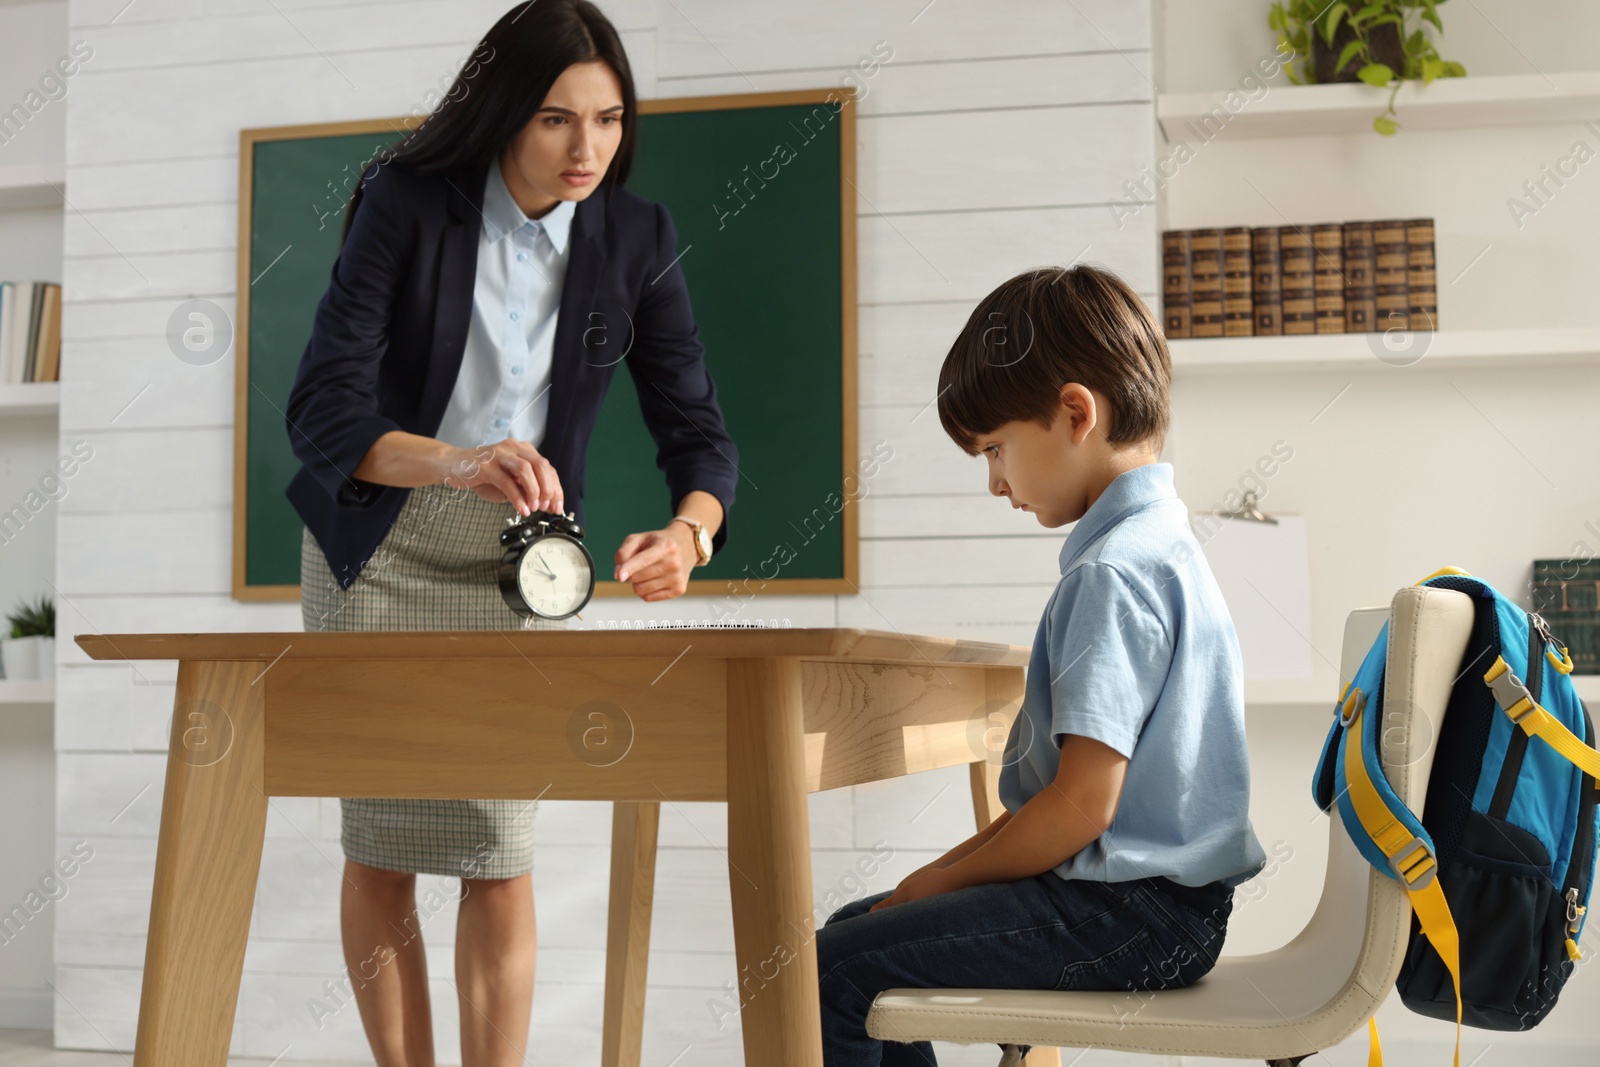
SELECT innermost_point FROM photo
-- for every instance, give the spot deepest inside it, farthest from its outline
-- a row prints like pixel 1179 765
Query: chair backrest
pixel 1362 923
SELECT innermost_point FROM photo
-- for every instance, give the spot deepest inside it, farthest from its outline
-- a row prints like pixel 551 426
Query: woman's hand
pixel 508 470
pixel 927 881
pixel 657 562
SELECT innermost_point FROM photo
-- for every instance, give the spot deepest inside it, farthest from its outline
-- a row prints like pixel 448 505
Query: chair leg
pixel 1011 1055
pixel 1289 1061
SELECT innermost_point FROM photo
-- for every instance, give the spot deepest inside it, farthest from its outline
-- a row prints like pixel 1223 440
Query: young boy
pixel 1125 778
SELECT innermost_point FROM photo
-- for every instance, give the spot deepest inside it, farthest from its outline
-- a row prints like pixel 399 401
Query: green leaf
pixel 1351 50
pixel 1385 125
pixel 1331 20
pixel 1431 69
pixel 1452 69
pixel 1415 44
pixel 1376 74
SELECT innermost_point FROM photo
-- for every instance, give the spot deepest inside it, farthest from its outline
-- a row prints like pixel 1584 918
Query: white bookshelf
pixel 1309 693
pixel 30 398
pixel 1452 349
pixel 1348 107
pixel 32 185
pixel 13 691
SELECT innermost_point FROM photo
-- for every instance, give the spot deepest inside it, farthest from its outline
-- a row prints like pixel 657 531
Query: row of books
pixel 1566 592
pixel 30 332
pixel 1330 277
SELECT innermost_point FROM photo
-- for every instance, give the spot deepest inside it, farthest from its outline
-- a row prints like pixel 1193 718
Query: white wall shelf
pixel 1544 347
pixel 30 398
pixel 1348 107
pixel 1304 692
pixel 32 184
pixel 32 691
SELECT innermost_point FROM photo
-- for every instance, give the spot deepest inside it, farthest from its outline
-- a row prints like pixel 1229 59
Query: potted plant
pixel 1382 43
pixel 29 650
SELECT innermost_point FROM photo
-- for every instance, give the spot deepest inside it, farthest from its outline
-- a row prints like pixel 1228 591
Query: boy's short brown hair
pixel 1042 329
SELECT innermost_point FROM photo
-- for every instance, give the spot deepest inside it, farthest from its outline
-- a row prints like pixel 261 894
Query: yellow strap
pixel 1416 864
pixel 1537 722
pixel 1374 1050
pixel 1445 570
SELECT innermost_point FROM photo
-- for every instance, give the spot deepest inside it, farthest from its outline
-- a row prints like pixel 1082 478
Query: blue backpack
pixel 1499 871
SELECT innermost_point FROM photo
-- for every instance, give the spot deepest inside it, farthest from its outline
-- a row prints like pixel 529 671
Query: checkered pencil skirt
pixel 436 570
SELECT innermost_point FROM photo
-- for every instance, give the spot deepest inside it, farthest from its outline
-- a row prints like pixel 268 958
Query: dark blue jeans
pixel 1044 932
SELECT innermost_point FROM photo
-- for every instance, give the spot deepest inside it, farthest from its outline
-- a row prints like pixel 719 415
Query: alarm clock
pixel 545 569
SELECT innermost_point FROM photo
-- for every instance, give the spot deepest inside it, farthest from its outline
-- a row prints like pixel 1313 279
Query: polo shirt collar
pixel 502 215
pixel 1127 493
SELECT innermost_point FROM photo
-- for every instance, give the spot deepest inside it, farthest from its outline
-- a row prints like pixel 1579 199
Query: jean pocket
pixel 1128 966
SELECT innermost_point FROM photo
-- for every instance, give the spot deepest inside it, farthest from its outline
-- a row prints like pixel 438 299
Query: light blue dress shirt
pixel 503 388
pixel 1137 650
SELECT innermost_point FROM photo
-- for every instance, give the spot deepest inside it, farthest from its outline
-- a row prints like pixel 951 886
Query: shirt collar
pixel 502 215
pixel 1127 493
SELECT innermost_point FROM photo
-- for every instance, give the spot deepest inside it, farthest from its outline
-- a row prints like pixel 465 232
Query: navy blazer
pixel 390 330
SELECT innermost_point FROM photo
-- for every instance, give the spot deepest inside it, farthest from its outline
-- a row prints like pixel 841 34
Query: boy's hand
pixel 924 882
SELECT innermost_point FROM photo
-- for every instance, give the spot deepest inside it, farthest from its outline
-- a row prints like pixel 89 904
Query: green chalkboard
pixel 761 188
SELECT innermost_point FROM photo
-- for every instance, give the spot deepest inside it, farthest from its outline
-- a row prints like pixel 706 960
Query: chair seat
pixel 1257 1007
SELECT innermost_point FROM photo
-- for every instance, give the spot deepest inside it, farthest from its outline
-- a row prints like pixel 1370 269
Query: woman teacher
pixel 492 274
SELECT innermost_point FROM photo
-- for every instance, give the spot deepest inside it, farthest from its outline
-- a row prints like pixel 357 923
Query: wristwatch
pixel 702 538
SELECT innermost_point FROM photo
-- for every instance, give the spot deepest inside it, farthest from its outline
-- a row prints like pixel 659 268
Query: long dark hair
pixel 504 83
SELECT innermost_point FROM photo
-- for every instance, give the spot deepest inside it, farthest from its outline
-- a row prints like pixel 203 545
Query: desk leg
pixel 633 878
pixel 986 804
pixel 213 822
pixel 987 807
pixel 769 865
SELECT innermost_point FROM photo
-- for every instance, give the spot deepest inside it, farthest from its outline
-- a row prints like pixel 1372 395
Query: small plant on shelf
pixel 1383 43
pixel 33 620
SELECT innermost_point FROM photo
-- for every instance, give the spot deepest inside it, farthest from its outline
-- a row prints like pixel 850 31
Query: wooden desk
pixel 754 717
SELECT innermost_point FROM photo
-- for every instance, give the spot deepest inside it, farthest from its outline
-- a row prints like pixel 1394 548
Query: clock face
pixel 554 576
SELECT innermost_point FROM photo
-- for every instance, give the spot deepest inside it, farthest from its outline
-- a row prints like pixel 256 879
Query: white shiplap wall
pixel 990 142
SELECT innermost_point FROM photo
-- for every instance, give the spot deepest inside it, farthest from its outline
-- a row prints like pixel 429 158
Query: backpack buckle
pixel 1403 864
pixel 1509 692
pixel 1353 703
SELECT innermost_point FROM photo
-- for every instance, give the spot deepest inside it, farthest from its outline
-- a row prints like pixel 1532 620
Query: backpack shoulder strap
pixel 1408 852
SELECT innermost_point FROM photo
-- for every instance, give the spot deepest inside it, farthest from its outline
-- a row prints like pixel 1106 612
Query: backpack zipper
pixel 1582 849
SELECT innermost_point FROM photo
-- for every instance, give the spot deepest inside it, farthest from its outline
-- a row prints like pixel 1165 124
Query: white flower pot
pixel 20 657
pixel 47 658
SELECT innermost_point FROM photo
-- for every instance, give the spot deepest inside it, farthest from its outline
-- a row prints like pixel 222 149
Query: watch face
pixel 555 576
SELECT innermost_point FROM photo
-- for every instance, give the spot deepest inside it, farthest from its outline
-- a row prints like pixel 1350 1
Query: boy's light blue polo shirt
pixel 1136 649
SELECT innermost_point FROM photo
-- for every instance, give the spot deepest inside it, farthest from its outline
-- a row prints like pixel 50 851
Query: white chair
pixel 1283 1005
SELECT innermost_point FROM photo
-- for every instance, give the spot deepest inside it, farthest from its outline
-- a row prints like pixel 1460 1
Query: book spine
pixel 1176 280
pixel 1299 286
pixel 1360 288
pixel 1391 275
pixel 7 298
pixel 1266 284
pixel 1421 275
pixel 52 347
pixel 1327 240
pixel 1205 256
pixel 35 322
pixel 1238 312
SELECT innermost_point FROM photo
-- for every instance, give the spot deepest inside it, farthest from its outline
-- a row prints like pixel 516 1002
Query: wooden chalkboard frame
pixel 844 98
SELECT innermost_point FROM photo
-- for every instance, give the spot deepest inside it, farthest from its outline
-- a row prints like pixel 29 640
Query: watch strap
pixel 697 527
